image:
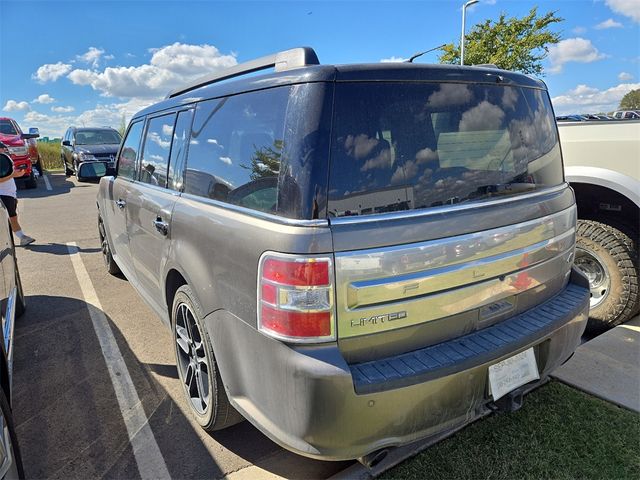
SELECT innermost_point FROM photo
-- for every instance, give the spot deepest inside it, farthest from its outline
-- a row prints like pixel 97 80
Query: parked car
pixel 13 306
pixel 626 114
pixel 16 141
pixel 602 164
pixel 34 154
pixel 338 324
pixel 88 145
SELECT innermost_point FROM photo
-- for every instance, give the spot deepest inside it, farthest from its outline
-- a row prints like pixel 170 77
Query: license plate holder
pixel 512 372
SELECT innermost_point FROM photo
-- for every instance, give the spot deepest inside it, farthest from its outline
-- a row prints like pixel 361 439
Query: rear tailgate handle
pixel 161 226
pixel 120 203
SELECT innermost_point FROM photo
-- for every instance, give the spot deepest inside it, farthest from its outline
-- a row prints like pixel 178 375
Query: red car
pixel 18 149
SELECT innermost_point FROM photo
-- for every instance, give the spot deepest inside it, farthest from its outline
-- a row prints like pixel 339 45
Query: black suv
pixel 88 145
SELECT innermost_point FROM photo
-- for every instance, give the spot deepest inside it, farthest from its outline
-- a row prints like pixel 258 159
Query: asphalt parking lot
pixel 70 418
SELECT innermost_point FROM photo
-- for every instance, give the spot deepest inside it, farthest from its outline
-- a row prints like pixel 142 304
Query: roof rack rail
pixel 486 65
pixel 285 60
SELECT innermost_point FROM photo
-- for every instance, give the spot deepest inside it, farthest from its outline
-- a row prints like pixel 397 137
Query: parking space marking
pixel 46 182
pixel 149 459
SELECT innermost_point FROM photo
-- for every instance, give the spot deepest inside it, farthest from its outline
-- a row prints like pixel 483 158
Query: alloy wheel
pixel 192 359
pixel 596 271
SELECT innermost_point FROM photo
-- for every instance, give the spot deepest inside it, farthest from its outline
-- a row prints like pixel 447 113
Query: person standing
pixel 9 196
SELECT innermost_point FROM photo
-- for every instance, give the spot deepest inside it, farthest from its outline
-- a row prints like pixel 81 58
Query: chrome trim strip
pixel 10 321
pixel 426 212
pixel 257 214
pixel 370 292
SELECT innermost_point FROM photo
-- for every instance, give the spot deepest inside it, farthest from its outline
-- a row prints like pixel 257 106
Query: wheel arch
pixel 173 281
pixel 613 181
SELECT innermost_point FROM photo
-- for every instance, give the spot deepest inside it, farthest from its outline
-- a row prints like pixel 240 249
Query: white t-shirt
pixel 8 188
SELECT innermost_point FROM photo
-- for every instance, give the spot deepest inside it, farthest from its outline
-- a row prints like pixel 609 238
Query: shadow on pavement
pixel 60 184
pixel 67 416
pixel 57 248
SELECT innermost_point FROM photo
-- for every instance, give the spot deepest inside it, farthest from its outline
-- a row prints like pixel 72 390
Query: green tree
pixel 631 101
pixel 123 125
pixel 518 44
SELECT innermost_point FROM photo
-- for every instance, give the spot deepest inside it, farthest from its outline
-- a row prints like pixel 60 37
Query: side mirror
pixel 34 131
pixel 66 143
pixel 27 136
pixel 92 170
pixel 6 165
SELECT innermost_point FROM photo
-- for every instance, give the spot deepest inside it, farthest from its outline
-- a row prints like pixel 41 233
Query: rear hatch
pixel 448 209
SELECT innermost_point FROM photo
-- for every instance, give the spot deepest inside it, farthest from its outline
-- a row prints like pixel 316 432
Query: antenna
pixel 426 51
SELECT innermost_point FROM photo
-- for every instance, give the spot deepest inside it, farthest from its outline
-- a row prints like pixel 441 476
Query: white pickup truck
pixel 602 163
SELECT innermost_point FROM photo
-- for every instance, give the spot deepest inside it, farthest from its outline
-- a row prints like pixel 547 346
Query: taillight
pixel 295 298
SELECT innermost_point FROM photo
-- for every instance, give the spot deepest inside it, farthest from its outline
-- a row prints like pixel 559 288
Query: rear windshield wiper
pixel 505 188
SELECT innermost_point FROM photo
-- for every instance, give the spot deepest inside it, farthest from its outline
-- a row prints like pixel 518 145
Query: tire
pixel 67 171
pixel 196 364
pixel 110 263
pixel 21 304
pixel 31 182
pixel 607 257
pixel 8 432
pixel 39 167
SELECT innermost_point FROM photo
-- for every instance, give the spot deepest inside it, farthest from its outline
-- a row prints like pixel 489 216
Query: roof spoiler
pixel 285 60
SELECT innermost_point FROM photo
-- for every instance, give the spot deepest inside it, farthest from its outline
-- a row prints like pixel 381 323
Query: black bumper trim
pixel 470 350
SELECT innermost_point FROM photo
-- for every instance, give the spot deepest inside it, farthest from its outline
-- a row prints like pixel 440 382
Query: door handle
pixel 161 226
pixel 120 203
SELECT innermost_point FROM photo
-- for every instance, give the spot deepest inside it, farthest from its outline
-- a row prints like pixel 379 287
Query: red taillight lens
pixel 297 273
pixel 295 298
pixel 296 324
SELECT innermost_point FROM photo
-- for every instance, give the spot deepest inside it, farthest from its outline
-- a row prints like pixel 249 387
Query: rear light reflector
pixel 295 298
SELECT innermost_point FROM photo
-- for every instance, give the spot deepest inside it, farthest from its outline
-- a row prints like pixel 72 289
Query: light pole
pixel 464 10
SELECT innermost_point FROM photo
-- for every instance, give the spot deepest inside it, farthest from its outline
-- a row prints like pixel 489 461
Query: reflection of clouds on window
pixel 226 160
pixel 484 116
pixel 359 146
pixel 449 95
pixel 426 155
pixel 248 112
pixel 155 138
pixel 405 172
pixel 382 160
pixel 193 141
pixel 509 98
pixel 157 158
pixel 167 130
pixel 215 142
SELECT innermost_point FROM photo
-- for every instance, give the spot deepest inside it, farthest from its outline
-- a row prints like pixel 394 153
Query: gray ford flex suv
pixel 350 257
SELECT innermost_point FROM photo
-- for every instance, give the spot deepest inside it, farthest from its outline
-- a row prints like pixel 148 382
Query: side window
pixel 236 147
pixel 157 144
pixel 179 149
pixel 129 152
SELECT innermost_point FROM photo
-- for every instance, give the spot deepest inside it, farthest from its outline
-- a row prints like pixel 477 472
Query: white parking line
pixel 149 459
pixel 46 182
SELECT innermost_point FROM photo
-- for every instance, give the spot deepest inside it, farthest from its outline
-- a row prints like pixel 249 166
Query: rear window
pixel 399 146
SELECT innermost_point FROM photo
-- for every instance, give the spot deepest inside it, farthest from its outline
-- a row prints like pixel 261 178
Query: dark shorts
pixel 10 204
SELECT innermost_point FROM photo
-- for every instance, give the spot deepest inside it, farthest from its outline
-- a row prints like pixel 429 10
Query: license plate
pixel 511 373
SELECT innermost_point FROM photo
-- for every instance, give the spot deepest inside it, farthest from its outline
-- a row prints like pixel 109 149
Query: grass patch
pixel 50 155
pixel 559 433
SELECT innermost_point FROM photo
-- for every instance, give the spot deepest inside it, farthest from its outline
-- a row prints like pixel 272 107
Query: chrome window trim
pixel 426 212
pixel 256 213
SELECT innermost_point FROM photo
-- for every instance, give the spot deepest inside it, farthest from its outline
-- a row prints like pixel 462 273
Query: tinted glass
pixel 97 137
pixel 236 147
pixel 129 152
pixel 7 128
pixel 157 143
pixel 399 146
pixel 179 149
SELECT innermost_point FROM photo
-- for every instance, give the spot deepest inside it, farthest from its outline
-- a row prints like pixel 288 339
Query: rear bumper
pixel 309 400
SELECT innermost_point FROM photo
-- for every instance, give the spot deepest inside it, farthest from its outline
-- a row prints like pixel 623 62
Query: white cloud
pixel 572 50
pixel 44 99
pixel 579 30
pixel 50 72
pixel 393 60
pixel 609 23
pixel 101 115
pixel 624 76
pixel 484 116
pixel 92 56
pixel 13 106
pixel 62 109
pixel 585 99
pixel 226 160
pixel 628 8
pixel 169 67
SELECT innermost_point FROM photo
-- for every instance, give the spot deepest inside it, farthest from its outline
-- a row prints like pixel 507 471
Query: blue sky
pixel 90 62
